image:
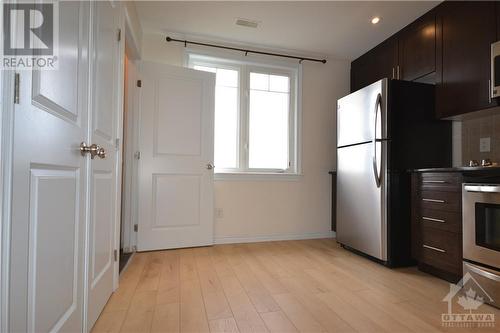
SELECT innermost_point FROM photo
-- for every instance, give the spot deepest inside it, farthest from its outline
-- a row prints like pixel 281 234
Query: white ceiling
pixel 340 29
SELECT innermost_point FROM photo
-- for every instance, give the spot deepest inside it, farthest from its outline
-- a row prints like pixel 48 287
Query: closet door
pixel 104 110
pixel 49 186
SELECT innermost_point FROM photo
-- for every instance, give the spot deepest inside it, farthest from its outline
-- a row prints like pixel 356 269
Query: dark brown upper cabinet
pixel 466 31
pixel 449 46
pixel 380 62
pixel 409 55
pixel 498 20
pixel 417 49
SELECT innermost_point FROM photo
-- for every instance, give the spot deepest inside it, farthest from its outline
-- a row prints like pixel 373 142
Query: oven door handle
pixel 482 188
pixel 484 272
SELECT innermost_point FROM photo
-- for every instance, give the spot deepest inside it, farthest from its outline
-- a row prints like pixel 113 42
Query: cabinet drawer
pixel 442 250
pixel 441 219
pixel 438 200
pixel 441 182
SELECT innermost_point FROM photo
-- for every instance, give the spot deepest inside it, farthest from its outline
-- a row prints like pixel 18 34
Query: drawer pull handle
pixel 433 248
pixel 434 181
pixel 433 200
pixel 433 219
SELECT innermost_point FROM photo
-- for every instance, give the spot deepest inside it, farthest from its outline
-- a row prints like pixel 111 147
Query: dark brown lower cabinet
pixel 437 223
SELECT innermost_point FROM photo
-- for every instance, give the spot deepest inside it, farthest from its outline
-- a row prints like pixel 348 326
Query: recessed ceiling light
pixel 375 20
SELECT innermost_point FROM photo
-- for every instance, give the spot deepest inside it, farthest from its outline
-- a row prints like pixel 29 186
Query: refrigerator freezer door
pixel 361 204
pixel 356 115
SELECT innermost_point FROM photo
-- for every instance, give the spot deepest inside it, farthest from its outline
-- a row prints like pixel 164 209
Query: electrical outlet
pixel 219 213
pixel 484 145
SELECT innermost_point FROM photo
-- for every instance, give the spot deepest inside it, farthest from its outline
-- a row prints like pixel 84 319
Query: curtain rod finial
pixel 323 61
pixel 169 39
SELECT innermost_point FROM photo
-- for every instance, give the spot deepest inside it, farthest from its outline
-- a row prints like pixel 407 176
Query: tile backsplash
pixel 475 129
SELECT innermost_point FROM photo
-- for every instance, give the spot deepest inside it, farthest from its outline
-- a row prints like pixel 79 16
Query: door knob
pixel 101 152
pixel 210 166
pixel 94 150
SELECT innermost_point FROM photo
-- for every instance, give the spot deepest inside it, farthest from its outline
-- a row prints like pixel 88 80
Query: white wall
pixel 260 210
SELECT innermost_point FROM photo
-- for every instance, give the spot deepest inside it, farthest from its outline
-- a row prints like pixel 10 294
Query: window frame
pixel 244 67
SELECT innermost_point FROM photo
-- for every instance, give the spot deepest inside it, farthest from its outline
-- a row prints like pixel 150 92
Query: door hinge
pixel 117 143
pixel 136 227
pixel 115 254
pixel 119 37
pixel 137 155
pixel 17 80
pixel 139 83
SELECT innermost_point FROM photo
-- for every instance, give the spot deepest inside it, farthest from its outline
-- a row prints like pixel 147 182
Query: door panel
pixel 361 221
pixel 176 188
pixel 48 187
pixel 105 67
pixel 50 191
pixel 176 200
pixel 178 132
pixel 102 230
pixel 47 86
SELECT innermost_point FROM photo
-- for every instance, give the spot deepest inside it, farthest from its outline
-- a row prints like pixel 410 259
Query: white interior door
pixel 49 187
pixel 175 170
pixel 104 108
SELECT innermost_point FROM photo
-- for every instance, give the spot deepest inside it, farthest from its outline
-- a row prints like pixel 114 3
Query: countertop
pixel 460 169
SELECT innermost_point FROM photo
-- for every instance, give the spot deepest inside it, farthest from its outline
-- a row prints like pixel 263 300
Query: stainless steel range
pixel 481 237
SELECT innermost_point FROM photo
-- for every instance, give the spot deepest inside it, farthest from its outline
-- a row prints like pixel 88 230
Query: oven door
pixel 481 224
pixel 495 70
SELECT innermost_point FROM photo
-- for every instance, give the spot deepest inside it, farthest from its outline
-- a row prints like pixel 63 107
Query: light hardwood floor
pixel 289 286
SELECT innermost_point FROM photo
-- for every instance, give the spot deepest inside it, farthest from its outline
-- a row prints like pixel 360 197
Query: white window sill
pixel 256 176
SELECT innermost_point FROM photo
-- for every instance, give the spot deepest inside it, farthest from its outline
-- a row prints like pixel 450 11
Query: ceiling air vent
pixel 247 23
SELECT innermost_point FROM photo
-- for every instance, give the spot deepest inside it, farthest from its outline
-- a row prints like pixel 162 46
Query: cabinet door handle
pixel 393 72
pixel 489 91
pixel 434 181
pixel 437 249
pixel 398 72
pixel 433 200
pixel 433 219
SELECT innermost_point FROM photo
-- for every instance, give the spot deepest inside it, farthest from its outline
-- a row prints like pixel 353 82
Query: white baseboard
pixel 268 238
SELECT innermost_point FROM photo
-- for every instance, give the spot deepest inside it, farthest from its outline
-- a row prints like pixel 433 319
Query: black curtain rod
pixel 246 51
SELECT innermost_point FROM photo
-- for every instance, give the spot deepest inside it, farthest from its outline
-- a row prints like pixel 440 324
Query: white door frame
pixel 130 182
pixel 131 163
pixel 6 149
pixel 119 137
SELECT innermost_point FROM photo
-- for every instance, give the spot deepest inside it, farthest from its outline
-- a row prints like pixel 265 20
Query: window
pixel 226 116
pixel 255 116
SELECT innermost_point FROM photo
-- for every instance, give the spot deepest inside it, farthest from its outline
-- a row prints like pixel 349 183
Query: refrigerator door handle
pixel 377 174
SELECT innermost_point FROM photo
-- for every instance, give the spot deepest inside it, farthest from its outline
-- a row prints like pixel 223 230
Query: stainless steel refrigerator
pixel 383 131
